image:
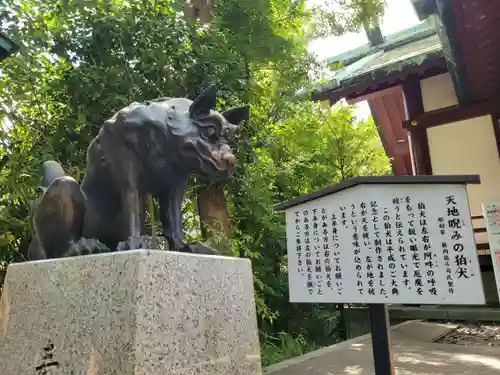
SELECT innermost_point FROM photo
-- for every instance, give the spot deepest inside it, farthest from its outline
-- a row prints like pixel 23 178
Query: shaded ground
pixel 414 354
pixel 474 335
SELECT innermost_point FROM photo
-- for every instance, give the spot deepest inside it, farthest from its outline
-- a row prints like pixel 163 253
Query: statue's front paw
pixel 85 246
pixel 136 243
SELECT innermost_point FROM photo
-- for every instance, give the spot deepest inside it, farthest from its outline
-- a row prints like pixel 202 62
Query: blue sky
pixel 399 15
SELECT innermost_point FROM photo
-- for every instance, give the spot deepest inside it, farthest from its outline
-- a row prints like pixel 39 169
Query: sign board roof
pixel 368 180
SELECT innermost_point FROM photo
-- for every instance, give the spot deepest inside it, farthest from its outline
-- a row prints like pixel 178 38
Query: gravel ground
pixel 473 335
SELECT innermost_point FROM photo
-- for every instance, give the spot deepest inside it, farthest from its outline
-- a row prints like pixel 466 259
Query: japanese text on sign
pixel 384 244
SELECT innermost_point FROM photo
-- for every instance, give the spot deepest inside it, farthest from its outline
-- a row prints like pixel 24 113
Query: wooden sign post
pixel 384 240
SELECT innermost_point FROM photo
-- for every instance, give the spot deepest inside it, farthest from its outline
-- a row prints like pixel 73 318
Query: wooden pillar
pixel 419 143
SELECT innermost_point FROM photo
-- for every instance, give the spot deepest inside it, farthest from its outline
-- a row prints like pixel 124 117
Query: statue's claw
pixel 136 243
pixel 86 246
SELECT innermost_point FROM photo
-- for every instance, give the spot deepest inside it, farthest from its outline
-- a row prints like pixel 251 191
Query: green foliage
pixel 336 17
pixel 283 346
pixel 307 149
pixel 84 59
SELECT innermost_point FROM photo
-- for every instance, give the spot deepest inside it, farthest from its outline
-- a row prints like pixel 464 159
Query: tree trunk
pixel 214 214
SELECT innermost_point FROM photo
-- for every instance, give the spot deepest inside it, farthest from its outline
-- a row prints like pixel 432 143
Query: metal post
pixel 381 339
pixel 342 322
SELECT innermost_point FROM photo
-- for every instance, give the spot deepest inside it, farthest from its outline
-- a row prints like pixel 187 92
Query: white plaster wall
pixel 438 92
pixel 468 147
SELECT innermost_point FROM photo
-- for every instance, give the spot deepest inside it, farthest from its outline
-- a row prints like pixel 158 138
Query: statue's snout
pixel 228 157
pixel 225 158
pixel 230 160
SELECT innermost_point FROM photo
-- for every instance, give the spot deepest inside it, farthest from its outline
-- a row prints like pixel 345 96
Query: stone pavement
pixel 414 354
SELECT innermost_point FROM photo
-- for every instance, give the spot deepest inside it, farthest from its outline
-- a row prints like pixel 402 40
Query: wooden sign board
pixel 491 213
pixel 384 240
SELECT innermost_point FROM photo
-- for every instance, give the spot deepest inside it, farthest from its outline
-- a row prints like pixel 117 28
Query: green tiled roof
pixel 410 47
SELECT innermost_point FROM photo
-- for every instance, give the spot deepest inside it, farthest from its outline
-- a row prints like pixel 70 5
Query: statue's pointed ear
pixel 204 102
pixel 237 115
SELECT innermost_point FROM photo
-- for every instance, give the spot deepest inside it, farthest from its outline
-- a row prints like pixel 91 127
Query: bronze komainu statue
pixel 145 148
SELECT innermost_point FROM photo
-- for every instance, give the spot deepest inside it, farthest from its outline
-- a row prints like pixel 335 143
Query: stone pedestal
pixel 138 312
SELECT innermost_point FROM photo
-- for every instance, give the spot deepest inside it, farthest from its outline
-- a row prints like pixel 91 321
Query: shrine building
pixel 7 46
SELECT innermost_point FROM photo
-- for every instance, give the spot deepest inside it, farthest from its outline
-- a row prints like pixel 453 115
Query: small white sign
pixel 491 213
pixel 384 243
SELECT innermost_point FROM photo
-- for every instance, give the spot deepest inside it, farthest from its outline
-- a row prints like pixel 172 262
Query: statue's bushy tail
pixel 51 170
